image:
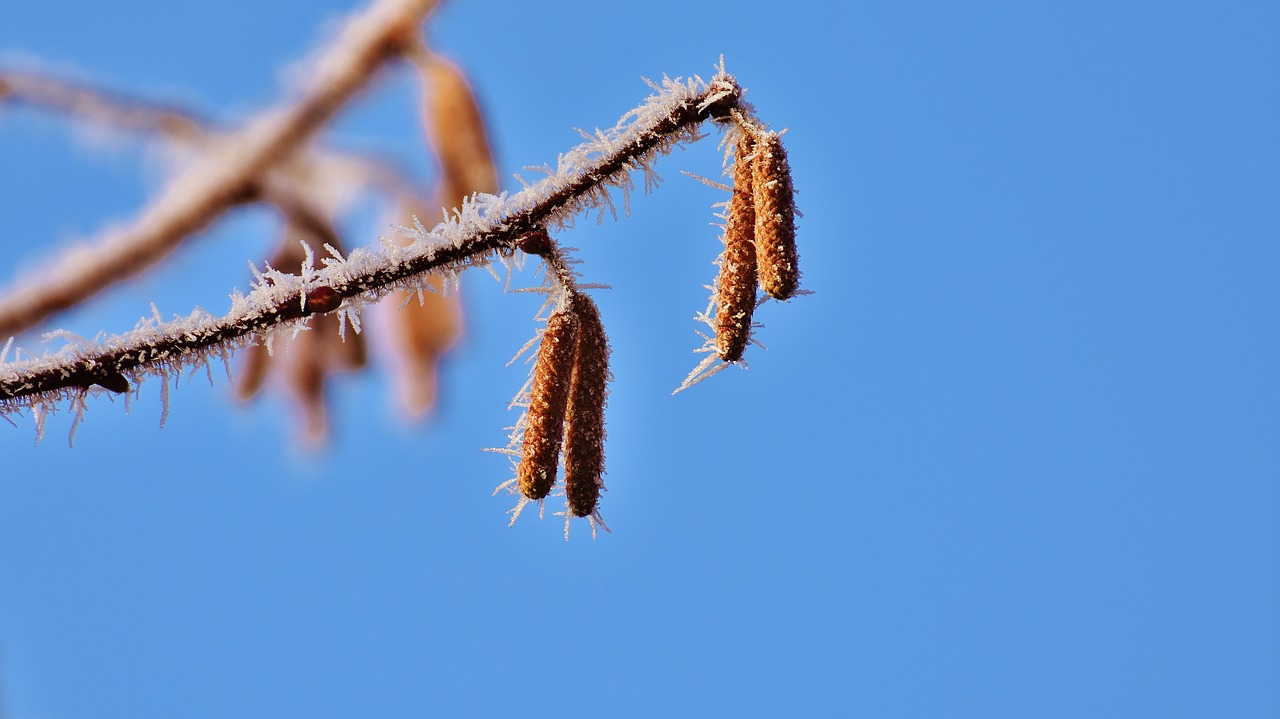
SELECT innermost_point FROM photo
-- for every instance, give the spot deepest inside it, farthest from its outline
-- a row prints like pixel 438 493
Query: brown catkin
pixel 455 128
pixel 548 401
pixel 584 425
pixel 775 219
pixel 736 283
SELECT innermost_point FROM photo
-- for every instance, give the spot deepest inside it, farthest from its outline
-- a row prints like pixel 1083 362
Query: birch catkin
pixel 775 219
pixel 455 128
pixel 736 283
pixel 584 426
pixel 548 401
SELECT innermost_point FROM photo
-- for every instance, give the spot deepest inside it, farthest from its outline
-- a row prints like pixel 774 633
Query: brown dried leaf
pixel 455 130
pixel 424 333
pixel 428 324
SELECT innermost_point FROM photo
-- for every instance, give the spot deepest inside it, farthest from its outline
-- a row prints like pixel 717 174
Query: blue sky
pixel 1015 457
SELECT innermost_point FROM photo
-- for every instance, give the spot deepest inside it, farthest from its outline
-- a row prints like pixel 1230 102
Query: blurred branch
pixel 100 106
pixel 226 175
pixel 184 126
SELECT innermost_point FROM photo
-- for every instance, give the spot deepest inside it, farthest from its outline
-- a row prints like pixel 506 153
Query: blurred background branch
pixel 270 159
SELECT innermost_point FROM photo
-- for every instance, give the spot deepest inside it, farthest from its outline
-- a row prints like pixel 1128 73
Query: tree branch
pixel 100 106
pixel 182 125
pixel 485 228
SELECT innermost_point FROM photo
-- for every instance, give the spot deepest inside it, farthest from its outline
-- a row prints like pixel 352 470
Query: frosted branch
pixel 484 228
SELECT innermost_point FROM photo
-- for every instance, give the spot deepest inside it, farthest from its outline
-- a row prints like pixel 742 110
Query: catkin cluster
pixel 566 409
pixel 759 239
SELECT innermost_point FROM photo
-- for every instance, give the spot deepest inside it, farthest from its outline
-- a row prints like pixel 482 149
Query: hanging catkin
pixel 775 219
pixel 548 400
pixel 584 426
pixel 736 283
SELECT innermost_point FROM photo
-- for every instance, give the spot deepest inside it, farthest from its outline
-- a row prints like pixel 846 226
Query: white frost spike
pixel 518 509
pixel 78 406
pixel 4 354
pixel 342 324
pixel 164 397
pixel 226 365
pixel 307 273
pixel 39 413
pixel 308 263
pixel 594 520
pixel 702 371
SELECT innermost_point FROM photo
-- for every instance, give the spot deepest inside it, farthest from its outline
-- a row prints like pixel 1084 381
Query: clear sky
pixel 1017 456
